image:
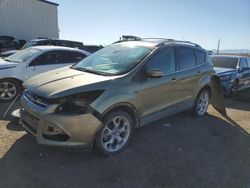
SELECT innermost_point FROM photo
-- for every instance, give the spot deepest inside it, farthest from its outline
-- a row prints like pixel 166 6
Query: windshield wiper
pixel 90 71
pixel 7 60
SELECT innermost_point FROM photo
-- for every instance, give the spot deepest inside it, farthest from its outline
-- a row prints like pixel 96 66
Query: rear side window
pixel 72 57
pixel 200 56
pixel 186 58
pixel 164 61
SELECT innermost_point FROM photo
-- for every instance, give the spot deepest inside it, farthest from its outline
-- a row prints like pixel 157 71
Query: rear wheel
pixel 9 90
pixel 202 103
pixel 115 134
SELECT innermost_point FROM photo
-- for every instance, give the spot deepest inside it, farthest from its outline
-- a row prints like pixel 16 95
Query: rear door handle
pixel 199 72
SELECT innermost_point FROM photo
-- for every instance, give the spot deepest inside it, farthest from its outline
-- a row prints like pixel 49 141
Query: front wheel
pixel 115 134
pixel 9 90
pixel 202 103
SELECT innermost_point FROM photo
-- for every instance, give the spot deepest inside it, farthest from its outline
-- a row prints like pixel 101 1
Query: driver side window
pixel 163 61
pixel 47 58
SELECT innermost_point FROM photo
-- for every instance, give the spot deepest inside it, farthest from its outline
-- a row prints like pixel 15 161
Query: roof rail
pixel 160 41
pixel 178 41
pixel 157 39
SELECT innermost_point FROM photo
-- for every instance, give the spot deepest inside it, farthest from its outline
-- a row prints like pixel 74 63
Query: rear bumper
pixel 56 129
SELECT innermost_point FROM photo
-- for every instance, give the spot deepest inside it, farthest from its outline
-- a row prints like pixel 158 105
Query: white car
pixel 33 61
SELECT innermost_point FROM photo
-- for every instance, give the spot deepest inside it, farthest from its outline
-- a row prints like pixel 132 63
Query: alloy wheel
pixel 7 91
pixel 203 103
pixel 116 133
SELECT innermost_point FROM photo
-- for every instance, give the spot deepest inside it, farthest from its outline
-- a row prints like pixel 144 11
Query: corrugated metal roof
pixel 49 2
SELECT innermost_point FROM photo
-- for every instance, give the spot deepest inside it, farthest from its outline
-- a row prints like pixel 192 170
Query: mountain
pixel 234 51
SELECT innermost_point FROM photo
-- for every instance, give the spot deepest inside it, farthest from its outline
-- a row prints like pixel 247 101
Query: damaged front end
pixel 61 122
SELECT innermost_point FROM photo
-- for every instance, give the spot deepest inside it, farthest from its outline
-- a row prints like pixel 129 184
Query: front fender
pixel 106 102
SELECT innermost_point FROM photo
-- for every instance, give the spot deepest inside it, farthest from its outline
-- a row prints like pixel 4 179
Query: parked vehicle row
pixel 100 100
pixel 53 42
pixel 72 98
pixel 234 72
pixel 15 69
pixel 8 43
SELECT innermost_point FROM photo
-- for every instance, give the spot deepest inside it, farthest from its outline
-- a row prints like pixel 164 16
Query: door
pixel 159 93
pixel 53 60
pixel 189 73
pixel 244 73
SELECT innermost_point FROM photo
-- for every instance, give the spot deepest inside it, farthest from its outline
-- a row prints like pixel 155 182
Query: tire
pixel 9 89
pixel 115 134
pixel 202 103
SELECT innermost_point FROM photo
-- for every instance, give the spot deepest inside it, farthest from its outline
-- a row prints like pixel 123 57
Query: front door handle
pixel 199 72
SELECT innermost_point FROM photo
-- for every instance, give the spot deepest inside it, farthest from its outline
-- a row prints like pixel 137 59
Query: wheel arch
pixel 207 87
pixel 13 78
pixel 127 107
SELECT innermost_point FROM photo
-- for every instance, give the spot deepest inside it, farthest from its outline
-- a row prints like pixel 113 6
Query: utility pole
pixel 218 47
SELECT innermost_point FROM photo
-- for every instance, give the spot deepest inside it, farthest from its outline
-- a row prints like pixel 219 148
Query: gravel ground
pixel 180 151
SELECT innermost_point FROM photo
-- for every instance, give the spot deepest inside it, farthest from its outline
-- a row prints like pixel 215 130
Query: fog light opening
pixel 54 133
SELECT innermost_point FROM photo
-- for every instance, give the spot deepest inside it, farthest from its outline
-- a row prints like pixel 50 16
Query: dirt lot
pixel 180 151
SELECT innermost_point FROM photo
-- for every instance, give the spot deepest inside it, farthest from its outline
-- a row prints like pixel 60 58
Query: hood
pixel 64 82
pixel 222 71
pixel 6 65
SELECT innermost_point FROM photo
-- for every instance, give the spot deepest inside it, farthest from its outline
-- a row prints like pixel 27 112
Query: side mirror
pixel 154 73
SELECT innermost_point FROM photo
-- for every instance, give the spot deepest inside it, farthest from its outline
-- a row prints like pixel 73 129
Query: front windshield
pixel 225 62
pixel 116 59
pixel 23 55
pixel 29 44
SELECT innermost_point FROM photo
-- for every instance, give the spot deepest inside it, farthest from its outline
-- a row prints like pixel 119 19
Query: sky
pixel 200 21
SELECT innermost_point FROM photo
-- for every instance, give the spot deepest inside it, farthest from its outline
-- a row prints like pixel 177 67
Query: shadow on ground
pixel 6 109
pixel 180 152
pixel 243 96
pixel 239 101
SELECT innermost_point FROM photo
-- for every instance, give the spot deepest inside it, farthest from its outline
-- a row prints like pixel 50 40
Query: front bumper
pixel 56 129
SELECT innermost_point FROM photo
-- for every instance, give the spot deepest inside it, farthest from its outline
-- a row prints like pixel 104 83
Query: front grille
pixel 30 121
pixel 35 99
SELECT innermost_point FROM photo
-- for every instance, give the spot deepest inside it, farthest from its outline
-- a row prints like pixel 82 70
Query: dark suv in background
pixel 234 72
pixel 8 43
pixel 100 100
pixel 53 42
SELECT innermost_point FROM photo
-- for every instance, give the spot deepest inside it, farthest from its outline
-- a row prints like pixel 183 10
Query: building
pixel 28 19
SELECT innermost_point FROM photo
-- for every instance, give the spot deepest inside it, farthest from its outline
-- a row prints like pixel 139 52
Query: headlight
pixel 79 103
pixel 228 77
